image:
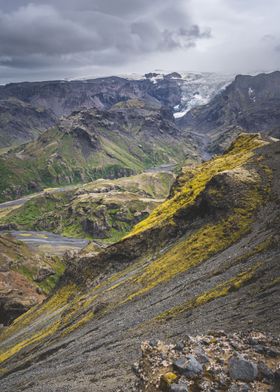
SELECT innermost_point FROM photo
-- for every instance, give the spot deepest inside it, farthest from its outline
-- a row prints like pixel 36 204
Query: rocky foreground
pixel 237 362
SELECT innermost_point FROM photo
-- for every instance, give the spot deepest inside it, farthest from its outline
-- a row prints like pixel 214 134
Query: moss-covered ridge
pixel 122 282
pixel 193 181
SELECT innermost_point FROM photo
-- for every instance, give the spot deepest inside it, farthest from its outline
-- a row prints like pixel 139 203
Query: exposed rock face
pixel 251 103
pixel 17 295
pixel 63 97
pixel 214 362
pixel 203 260
pixel 23 278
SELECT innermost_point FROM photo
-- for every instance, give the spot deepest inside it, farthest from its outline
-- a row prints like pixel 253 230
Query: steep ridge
pixel 249 103
pixel 91 144
pixel 207 258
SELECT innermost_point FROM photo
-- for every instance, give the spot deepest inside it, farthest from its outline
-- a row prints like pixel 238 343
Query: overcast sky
pixel 54 39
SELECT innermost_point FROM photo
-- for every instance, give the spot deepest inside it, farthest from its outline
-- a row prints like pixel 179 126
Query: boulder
pixel 179 388
pixel 188 366
pixel 242 369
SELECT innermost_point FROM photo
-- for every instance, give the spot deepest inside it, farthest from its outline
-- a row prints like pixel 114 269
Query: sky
pixel 64 39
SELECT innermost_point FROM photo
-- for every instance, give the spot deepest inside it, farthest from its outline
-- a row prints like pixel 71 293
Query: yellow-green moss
pixel 196 180
pixel 198 247
pixel 217 292
pixel 82 321
pixel 169 378
pixel 57 301
pixel 39 336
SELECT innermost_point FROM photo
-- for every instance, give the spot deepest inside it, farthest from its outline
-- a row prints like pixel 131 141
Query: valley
pixel 145 211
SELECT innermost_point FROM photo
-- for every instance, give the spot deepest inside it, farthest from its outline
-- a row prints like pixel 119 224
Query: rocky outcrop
pixel 217 361
pixel 25 278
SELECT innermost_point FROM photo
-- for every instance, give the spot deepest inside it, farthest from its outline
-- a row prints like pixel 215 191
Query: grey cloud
pixel 182 37
pixel 68 33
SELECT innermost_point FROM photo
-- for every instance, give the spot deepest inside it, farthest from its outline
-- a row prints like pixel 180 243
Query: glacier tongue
pixel 198 89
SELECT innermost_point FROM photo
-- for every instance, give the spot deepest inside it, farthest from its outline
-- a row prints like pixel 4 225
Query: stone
pixel 242 369
pixel 178 388
pixel 201 356
pixel 270 352
pixel 239 388
pixel 188 366
pixel 180 346
pixel 264 373
pixel 153 342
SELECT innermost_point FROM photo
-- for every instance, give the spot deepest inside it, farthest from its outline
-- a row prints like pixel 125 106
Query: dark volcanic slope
pixel 21 122
pixel 251 103
pixel 128 138
pixel 207 258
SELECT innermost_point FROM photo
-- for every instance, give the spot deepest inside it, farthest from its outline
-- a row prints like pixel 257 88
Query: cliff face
pixel 250 103
pixel 207 258
pixel 63 97
pixel 25 278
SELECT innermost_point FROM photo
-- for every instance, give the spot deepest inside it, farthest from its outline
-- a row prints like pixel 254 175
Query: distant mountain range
pixel 131 136
pixel 27 109
pixel 110 127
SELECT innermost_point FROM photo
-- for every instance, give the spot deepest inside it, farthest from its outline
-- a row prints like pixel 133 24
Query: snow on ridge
pixel 251 94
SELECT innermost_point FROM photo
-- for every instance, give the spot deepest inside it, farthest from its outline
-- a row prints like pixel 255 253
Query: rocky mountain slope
pixel 25 277
pixel 128 138
pixel 43 103
pixel 250 103
pixel 103 209
pixel 207 258
pixel 21 122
